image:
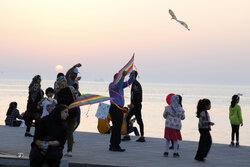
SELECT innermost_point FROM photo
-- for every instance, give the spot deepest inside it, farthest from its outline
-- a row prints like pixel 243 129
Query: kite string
pixel 137 71
pixel 118 94
pixel 128 85
pixel 118 105
pixel 87 113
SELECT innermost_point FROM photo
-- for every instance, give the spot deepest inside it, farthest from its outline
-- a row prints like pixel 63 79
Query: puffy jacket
pixel 235 116
pixel 173 119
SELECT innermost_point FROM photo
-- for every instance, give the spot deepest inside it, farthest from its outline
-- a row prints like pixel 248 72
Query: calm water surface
pixel 154 96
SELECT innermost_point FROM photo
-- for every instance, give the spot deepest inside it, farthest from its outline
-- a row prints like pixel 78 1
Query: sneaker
pixel 176 155
pixel 126 138
pixel 232 144
pixel 27 134
pixel 165 154
pixel 200 159
pixel 117 149
pixel 68 154
pixel 237 144
pixel 141 139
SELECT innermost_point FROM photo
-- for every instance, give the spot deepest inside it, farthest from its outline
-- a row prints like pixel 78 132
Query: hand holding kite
pixel 124 73
pixel 126 69
pixel 175 18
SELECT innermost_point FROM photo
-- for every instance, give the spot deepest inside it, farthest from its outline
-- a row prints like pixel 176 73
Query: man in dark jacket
pixel 135 108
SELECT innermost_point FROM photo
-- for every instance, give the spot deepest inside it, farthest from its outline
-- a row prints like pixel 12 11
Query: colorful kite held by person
pixel 128 67
pixel 86 99
pixel 175 18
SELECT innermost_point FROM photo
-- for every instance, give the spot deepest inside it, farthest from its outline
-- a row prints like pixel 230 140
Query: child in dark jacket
pixel 204 128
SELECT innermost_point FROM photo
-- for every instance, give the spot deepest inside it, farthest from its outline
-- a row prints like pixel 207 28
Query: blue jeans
pixel 133 129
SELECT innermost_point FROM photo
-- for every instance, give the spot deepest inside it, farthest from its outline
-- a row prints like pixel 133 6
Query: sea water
pixel 154 101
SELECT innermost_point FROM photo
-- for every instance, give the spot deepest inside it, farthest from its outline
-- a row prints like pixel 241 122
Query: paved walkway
pixel 92 149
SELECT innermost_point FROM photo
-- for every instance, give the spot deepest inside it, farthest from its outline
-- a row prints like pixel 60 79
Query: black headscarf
pixel 12 106
pixel 56 113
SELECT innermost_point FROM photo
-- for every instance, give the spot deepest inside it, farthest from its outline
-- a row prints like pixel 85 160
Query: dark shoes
pixel 126 138
pixel 199 159
pixel 141 139
pixel 165 154
pixel 176 155
pixel 237 144
pixel 28 134
pixel 117 149
pixel 232 144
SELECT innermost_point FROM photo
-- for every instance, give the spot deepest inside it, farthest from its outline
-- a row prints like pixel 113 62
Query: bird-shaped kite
pixel 175 18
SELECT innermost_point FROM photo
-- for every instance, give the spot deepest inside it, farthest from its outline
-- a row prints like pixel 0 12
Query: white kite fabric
pixel 175 18
pixel 102 111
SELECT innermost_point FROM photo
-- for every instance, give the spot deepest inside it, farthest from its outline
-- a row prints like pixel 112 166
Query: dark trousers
pixel 16 123
pixel 78 116
pixel 204 144
pixel 52 157
pixel 117 118
pixel 29 120
pixel 235 130
pixel 137 112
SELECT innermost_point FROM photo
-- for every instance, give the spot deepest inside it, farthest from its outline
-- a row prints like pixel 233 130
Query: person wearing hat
pixel 72 80
pixel 71 76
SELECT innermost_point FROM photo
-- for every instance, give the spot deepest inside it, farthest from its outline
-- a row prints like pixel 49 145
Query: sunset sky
pixel 37 35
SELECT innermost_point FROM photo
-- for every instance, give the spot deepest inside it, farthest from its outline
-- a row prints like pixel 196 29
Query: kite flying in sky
pixel 175 18
pixel 128 67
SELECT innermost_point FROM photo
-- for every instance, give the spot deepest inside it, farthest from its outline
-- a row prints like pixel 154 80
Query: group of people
pixel 55 123
pixel 174 114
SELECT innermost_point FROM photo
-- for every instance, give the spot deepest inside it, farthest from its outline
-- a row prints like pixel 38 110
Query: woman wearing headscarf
pixel 12 114
pixel 67 95
pixel 49 139
pixel 173 114
pixel 32 112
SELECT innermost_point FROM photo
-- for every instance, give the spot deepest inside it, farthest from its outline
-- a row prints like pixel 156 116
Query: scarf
pixel 175 103
pixel 34 88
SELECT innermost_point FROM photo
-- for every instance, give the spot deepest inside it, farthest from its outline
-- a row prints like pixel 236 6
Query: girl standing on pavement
pixel 204 128
pixel 173 114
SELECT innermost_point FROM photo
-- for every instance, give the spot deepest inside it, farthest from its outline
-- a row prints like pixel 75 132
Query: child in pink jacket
pixel 173 114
